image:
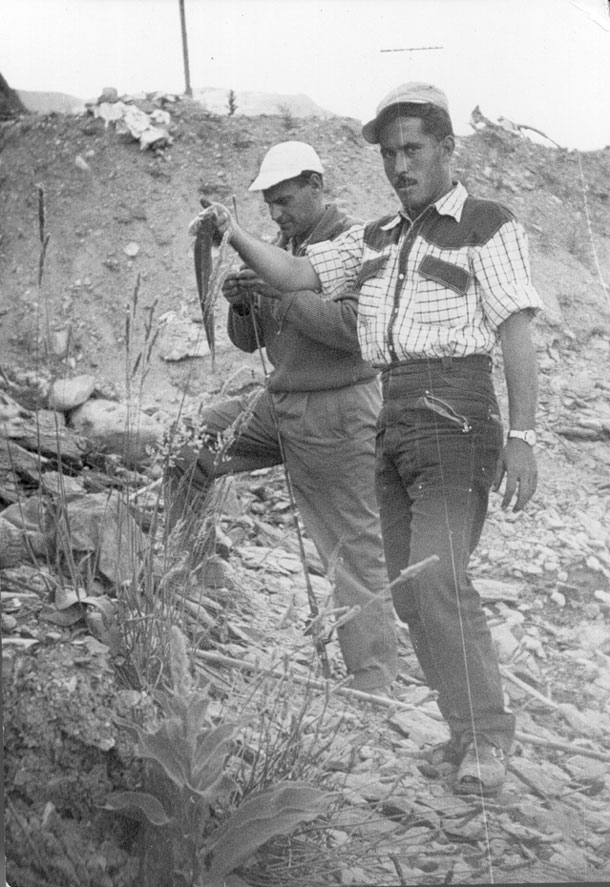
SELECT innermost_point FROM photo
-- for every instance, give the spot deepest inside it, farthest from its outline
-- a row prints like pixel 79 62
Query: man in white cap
pixel 322 399
pixel 439 283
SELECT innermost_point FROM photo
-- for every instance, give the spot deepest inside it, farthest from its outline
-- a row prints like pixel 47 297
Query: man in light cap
pixel 322 400
pixel 439 283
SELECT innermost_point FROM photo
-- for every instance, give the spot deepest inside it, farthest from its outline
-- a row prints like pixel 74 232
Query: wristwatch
pixel 528 436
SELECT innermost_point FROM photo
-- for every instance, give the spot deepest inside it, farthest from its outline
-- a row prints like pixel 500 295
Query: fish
pixel 203 271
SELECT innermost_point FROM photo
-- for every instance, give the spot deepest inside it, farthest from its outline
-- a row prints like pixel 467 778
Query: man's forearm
pixel 520 370
pixel 276 266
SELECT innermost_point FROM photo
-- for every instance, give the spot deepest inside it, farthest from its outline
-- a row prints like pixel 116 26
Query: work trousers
pixel 328 440
pixel 438 441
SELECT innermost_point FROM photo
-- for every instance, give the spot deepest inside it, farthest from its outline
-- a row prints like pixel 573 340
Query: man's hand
pixel 233 292
pixel 222 218
pixel 518 463
pixel 240 286
pixel 249 282
pixel 286 272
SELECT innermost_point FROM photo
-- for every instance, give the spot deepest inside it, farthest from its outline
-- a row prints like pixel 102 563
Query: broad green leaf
pixel 209 758
pixel 168 747
pixel 216 791
pixel 173 705
pixel 196 719
pixel 147 804
pixel 275 811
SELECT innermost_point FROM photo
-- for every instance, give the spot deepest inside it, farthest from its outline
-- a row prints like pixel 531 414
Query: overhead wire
pixel 603 283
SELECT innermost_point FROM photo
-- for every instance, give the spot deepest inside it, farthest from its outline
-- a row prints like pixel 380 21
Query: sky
pixel 541 63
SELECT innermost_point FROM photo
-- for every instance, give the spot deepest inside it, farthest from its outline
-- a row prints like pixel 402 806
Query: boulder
pixel 100 528
pixel 26 531
pixel 118 429
pixel 66 394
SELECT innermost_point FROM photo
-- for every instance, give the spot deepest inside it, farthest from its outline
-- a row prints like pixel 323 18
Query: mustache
pixel 402 181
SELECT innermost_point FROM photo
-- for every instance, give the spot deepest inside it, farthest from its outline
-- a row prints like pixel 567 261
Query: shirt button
pixel 401 277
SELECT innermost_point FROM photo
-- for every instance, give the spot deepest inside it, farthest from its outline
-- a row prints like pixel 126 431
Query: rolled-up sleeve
pixel 501 267
pixel 337 262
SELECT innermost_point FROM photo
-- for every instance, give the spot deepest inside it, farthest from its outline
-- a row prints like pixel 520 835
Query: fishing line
pixel 317 632
pixel 465 544
pixel 452 552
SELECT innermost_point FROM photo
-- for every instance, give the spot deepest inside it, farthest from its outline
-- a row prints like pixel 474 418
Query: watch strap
pixel 529 436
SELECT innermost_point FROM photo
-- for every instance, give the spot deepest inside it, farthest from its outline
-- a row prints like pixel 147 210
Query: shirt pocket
pixel 441 295
pixel 370 287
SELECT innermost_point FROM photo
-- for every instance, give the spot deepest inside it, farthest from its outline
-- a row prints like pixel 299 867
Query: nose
pixel 275 212
pixel 401 163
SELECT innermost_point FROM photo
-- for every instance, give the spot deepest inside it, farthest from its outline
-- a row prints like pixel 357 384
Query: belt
pixel 444 364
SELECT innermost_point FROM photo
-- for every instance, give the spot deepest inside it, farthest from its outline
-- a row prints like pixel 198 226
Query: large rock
pixel 67 394
pixel 99 529
pixel 26 530
pixel 118 429
pixel 13 545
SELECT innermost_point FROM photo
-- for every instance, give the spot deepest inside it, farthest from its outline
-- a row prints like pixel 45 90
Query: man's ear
pixel 315 180
pixel 448 146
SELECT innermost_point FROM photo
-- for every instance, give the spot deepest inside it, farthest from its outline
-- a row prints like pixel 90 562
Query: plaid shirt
pixel 440 285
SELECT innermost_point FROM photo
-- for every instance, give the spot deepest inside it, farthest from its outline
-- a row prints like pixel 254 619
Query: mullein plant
pixel 196 809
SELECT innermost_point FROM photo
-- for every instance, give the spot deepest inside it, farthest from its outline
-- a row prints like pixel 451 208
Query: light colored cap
pixel 407 93
pixel 285 161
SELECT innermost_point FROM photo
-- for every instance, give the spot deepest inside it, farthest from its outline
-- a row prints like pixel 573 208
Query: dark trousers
pixel 439 438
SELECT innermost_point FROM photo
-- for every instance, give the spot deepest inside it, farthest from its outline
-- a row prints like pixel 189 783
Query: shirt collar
pixel 450 204
pixel 324 229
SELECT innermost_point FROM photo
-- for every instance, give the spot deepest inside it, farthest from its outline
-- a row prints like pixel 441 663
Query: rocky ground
pixel 117 218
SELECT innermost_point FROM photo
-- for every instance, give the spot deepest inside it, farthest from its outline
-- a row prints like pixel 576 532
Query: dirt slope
pixel 102 193
pixel 545 574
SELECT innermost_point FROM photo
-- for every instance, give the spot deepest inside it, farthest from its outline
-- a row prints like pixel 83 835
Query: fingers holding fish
pixel 217 213
pixel 246 282
pixel 233 290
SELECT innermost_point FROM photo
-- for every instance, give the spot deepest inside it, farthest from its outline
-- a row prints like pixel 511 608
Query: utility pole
pixel 185 51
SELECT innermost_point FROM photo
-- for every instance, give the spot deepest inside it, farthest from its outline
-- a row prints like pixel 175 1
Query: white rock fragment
pixel 131 249
pixel 81 163
pixel 60 339
pixel 181 338
pixel 603 597
pixel 505 642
